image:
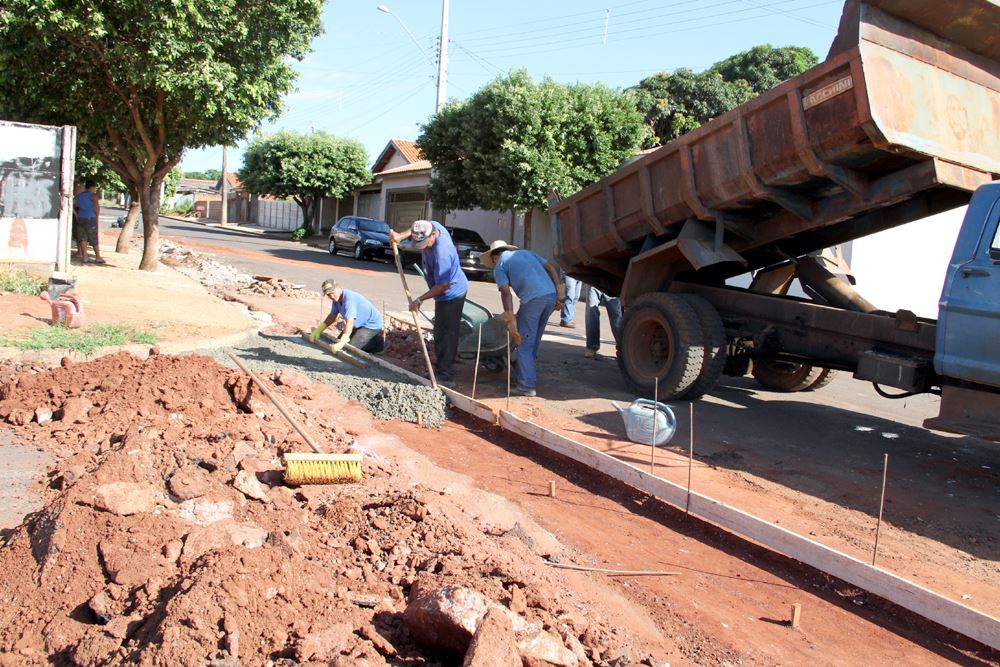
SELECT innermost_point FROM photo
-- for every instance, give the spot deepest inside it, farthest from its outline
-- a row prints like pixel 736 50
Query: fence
pixel 283 215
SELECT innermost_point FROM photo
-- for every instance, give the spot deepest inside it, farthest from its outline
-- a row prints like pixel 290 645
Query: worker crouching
pixel 361 322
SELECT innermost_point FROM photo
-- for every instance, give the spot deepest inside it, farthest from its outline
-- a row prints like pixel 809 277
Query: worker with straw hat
pixel 361 321
pixel 537 285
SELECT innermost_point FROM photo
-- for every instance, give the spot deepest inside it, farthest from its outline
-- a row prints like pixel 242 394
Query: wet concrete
pixel 19 466
pixel 386 395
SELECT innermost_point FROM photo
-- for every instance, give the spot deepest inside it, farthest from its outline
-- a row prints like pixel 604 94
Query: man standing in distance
pixel 88 211
pixel 446 284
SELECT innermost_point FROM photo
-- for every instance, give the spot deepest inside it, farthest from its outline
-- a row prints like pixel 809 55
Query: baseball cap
pixel 420 231
pixel 328 286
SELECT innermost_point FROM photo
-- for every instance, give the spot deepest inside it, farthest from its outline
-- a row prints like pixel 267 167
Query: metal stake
pixel 652 442
pixel 687 502
pixel 475 371
pixel 508 371
pixel 881 505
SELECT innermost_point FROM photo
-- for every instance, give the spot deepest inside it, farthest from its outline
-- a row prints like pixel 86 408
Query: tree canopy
pixel 514 140
pixel 673 103
pixel 304 167
pixel 207 175
pixel 144 79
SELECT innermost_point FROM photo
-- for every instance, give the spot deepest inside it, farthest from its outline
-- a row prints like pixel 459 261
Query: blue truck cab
pixel 967 344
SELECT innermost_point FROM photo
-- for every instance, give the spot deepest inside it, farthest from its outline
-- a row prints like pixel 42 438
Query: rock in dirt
pixel 247 484
pixel 445 618
pixel 126 498
pixel 539 647
pixel 189 482
pixel 494 644
pixel 43 414
pixel 291 378
pixel 98 606
pixel 74 410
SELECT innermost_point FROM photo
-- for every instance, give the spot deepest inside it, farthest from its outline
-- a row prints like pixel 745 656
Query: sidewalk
pixel 181 313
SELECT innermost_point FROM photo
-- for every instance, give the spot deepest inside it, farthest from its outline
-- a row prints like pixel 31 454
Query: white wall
pixel 904 267
pixel 491 225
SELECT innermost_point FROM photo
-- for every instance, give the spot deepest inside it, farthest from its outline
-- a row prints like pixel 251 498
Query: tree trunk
pixel 306 204
pixel 150 201
pixel 527 230
pixel 125 236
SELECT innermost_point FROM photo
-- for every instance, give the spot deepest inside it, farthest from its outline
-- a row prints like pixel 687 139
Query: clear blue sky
pixel 367 79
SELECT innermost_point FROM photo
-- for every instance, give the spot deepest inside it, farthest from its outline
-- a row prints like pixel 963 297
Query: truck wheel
pixel 785 376
pixel 713 336
pixel 661 339
pixel 825 378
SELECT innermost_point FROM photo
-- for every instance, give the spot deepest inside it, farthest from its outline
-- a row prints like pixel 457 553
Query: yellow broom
pixel 318 468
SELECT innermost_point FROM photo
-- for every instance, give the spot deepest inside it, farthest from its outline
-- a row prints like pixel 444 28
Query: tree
pixel 764 67
pixel 200 175
pixel 514 141
pixel 144 79
pixel 305 167
pixel 678 102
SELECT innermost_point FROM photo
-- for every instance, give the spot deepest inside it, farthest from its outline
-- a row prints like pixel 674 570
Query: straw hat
pixel 489 259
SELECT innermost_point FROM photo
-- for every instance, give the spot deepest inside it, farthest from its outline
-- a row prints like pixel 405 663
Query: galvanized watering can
pixel 639 419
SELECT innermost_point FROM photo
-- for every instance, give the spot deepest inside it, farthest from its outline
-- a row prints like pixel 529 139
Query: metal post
pixel 881 505
pixel 687 502
pixel 224 215
pixel 442 82
pixel 508 371
pixel 652 442
pixel 475 371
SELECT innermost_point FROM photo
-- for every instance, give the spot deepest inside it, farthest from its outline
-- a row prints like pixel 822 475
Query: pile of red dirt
pixel 168 538
pixel 403 347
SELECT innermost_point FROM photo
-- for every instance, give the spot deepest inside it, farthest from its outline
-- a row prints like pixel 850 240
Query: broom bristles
pixel 322 468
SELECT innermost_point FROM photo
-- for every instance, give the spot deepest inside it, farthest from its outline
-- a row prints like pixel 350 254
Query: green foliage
pixel 182 208
pixel 170 181
pixel 304 167
pixel 300 233
pixel 144 79
pixel 207 175
pixel 678 102
pixel 514 140
pixel 16 281
pixel 89 168
pixel 764 67
pixel 78 340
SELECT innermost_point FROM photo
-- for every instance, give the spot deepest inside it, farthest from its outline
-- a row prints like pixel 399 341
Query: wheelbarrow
pixel 493 347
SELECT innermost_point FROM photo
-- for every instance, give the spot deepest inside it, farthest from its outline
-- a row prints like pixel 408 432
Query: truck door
pixel 968 334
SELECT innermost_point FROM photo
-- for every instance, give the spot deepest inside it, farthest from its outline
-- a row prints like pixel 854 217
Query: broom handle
pixel 416 322
pixel 281 409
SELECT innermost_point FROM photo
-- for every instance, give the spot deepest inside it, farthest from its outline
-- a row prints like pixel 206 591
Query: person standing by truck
pixel 538 287
pixel 592 320
pixel 446 284
pixel 88 212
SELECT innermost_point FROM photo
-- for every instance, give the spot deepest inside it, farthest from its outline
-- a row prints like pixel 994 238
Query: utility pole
pixel 224 216
pixel 442 58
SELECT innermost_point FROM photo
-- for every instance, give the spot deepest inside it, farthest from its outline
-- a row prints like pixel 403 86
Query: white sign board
pixel 36 167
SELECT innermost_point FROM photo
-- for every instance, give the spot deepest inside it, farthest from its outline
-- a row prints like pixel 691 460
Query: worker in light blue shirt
pixel 538 287
pixel 446 284
pixel 362 323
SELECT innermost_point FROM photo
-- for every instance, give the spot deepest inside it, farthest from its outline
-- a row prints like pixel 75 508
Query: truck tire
pixel 713 336
pixel 661 340
pixel 825 378
pixel 785 376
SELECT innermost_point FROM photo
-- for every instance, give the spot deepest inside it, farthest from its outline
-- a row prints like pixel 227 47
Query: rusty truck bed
pixel 898 123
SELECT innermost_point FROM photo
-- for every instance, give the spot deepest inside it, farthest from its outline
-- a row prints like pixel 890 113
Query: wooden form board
pixel 913 597
pixel 948 613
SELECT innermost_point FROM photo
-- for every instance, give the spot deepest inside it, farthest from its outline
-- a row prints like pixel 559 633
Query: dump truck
pixel 901 121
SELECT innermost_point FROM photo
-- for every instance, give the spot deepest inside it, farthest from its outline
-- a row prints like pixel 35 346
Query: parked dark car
pixel 365 238
pixel 470 246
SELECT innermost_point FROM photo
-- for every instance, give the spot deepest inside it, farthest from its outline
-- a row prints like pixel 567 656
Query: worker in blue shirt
pixel 361 321
pixel 537 286
pixel 446 284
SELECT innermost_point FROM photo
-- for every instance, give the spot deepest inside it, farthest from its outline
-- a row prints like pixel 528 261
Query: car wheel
pixel 359 254
pixel 333 247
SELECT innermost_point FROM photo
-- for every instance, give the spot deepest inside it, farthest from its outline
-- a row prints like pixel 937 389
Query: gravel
pixel 387 395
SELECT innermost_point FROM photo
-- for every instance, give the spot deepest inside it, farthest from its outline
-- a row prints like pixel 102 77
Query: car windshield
pixel 374 226
pixel 459 235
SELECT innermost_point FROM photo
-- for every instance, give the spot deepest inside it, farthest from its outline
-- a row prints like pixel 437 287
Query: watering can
pixel 640 416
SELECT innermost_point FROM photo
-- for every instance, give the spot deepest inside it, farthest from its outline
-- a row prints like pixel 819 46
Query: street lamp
pixel 442 80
